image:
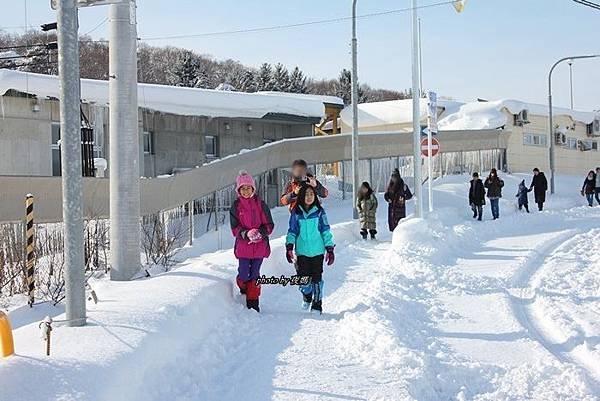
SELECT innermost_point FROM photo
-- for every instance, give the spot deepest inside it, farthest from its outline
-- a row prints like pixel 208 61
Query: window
pixel 572 143
pixel 210 146
pixel 55 149
pixel 534 140
pixel 148 137
pixel 590 145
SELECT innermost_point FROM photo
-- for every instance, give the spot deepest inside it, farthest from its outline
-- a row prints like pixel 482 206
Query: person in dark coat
pixel 539 184
pixel 522 196
pixel 477 196
pixel 396 196
pixel 589 187
pixel 597 190
pixel 494 192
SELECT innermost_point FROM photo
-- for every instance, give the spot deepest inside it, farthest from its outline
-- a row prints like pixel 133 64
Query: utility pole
pixel 355 183
pixel 416 99
pixel 70 144
pixel 124 142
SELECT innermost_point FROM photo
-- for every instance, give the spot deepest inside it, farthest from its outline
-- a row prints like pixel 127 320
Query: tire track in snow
pixel 521 305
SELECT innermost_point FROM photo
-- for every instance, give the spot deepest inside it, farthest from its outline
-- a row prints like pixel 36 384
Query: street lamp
pixel 550 117
pixel 354 113
pixel 571 81
pixel 459 6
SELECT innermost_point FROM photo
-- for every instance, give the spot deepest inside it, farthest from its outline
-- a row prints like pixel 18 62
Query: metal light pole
pixel 355 183
pixel 70 146
pixel 416 91
pixel 550 117
pixel 124 143
pixel 571 81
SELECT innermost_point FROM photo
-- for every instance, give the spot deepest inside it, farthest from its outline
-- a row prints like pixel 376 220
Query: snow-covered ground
pixel 446 309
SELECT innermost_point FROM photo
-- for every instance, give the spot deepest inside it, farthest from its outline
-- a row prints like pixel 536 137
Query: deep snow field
pixel 445 309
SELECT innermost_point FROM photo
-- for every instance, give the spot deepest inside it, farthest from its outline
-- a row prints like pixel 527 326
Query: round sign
pixel 435 147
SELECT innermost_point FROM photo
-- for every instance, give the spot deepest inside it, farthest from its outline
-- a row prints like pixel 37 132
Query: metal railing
pixel 158 194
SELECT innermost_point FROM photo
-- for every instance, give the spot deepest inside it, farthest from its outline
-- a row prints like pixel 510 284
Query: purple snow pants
pixel 249 269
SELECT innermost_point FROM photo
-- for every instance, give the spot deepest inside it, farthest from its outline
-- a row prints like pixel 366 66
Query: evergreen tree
pixel 264 78
pixel 281 78
pixel 297 81
pixel 344 88
pixel 248 82
pixel 187 72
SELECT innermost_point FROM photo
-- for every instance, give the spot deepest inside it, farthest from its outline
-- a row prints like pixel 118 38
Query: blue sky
pixel 494 49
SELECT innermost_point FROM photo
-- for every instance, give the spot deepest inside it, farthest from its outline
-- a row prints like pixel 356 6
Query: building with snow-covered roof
pixel 576 133
pixel 180 128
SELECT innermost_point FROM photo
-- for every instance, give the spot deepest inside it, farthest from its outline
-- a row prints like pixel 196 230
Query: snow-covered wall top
pixel 456 115
pixel 177 100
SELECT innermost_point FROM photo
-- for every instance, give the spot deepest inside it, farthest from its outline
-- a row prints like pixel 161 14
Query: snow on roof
pixel 178 100
pixel 455 115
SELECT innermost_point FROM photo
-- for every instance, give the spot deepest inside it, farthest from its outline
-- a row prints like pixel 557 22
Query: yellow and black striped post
pixel 30 257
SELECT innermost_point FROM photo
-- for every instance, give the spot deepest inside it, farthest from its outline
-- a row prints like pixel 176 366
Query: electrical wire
pixel 588 3
pixel 104 21
pixel 296 25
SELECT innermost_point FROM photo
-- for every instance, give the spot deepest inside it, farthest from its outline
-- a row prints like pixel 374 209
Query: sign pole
pixel 432 123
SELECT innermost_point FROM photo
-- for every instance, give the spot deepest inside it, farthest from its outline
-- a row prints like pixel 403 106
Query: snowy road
pixel 447 309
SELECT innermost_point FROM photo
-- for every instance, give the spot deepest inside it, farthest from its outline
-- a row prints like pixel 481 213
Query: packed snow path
pixel 449 309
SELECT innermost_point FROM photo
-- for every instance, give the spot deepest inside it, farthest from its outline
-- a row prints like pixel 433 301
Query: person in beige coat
pixel 366 204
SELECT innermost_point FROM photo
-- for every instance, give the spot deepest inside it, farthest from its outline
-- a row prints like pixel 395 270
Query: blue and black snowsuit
pixel 309 233
pixel 523 199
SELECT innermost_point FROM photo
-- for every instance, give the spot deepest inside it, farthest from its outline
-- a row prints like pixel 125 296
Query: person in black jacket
pixel 589 187
pixel 396 196
pixel 597 190
pixel 477 196
pixel 539 184
pixel 494 192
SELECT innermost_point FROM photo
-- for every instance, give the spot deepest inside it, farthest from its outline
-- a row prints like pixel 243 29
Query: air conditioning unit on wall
pixel 560 138
pixel 522 118
pixel 593 128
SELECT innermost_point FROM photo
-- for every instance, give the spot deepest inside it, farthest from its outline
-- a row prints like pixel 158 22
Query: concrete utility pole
pixel 355 180
pixel 550 110
pixel 416 93
pixel 124 143
pixel 70 146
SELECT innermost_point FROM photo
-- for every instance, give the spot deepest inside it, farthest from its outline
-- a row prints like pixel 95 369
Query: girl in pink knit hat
pixel 251 225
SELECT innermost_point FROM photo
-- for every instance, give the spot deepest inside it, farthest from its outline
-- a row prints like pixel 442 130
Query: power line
pixel 588 3
pixel 104 21
pixel 295 25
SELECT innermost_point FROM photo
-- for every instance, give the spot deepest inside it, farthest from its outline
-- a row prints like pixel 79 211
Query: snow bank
pixel 176 100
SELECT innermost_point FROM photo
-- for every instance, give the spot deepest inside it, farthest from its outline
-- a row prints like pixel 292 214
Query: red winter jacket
pixel 246 214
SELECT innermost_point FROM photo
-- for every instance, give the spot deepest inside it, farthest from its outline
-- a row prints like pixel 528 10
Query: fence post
pixel 216 207
pixel 343 181
pixel 371 171
pixel 30 257
pixel 191 221
pixel 279 186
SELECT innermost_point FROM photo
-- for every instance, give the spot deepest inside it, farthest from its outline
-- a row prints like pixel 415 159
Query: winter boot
pixel 253 304
pixel 373 233
pixel 317 296
pixel 363 233
pixel 307 295
pixel 241 285
pixel 316 306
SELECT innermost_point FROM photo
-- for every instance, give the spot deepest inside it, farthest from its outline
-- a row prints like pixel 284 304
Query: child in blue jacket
pixel 310 234
pixel 522 198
